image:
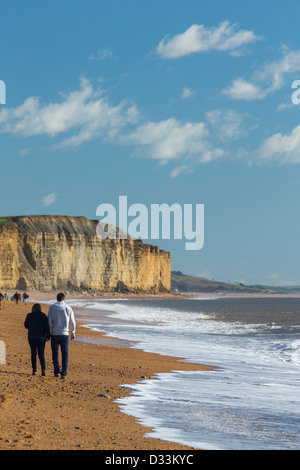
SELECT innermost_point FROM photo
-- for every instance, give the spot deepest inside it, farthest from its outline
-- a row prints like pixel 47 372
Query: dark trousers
pixel 37 347
pixel 62 342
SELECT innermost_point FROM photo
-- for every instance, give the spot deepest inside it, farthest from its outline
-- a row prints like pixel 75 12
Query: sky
pixel 165 102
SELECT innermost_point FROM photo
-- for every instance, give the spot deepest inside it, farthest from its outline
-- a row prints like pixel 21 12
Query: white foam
pixel 251 402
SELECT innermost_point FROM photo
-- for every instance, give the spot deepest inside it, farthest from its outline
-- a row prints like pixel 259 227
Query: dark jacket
pixel 37 325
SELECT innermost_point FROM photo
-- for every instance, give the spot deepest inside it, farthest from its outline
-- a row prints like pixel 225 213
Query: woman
pixel 38 333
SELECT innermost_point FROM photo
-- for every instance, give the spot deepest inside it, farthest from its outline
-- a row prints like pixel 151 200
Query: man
pixel 17 297
pixel 25 297
pixel 61 318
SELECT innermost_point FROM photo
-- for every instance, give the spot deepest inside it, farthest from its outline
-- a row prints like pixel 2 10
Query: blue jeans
pixel 37 346
pixel 63 343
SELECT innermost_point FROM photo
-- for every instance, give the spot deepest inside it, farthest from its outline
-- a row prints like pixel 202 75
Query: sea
pixel 251 398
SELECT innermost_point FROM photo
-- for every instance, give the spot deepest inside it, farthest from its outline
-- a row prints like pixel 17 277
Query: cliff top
pixel 60 224
pixel 78 225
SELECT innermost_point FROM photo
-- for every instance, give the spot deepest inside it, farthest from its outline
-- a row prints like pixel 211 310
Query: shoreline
pixel 40 296
pixel 46 413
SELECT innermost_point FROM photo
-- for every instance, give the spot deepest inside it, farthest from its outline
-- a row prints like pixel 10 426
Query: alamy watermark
pixel 2 92
pixel 135 220
pixel 296 95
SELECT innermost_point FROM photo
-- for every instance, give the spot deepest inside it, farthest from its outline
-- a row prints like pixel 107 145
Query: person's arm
pixel 50 319
pixel 72 323
pixel 26 323
pixel 46 327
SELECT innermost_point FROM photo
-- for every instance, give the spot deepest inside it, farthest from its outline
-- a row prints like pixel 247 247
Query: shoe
pixel 33 373
pixel 63 376
pixel 43 373
pixel 56 375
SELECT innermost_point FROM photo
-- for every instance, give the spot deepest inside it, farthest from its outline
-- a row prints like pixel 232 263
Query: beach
pixel 79 412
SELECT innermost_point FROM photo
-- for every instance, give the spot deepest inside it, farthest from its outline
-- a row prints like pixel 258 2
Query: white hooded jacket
pixel 60 317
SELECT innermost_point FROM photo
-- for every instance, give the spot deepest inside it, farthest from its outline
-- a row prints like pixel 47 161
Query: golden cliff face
pixel 47 253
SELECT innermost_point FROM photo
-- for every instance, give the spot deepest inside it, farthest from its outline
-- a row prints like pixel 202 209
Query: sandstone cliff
pixel 48 253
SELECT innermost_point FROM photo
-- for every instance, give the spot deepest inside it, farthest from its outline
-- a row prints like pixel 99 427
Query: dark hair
pixel 36 308
pixel 60 297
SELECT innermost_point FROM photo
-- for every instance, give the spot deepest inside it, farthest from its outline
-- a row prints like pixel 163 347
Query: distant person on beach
pixel 38 333
pixel 61 318
pixel 1 298
pixel 25 297
pixel 17 297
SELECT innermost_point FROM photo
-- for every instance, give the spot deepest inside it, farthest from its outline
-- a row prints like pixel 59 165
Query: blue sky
pixel 166 101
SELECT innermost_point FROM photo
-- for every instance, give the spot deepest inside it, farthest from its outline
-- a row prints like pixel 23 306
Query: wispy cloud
pixel 268 79
pixel 197 39
pixel 101 54
pixel 85 114
pixel 243 90
pixel 179 170
pixel 228 124
pixel 277 279
pixel 49 199
pixel 284 148
pixel 171 139
pixel 25 151
pixel 187 93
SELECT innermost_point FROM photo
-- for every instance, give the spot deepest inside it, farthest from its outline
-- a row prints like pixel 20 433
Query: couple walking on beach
pixel 56 326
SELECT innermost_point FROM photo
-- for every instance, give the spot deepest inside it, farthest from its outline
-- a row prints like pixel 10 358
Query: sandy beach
pixel 79 412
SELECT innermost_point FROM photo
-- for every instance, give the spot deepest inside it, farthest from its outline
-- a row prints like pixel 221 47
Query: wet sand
pixel 48 413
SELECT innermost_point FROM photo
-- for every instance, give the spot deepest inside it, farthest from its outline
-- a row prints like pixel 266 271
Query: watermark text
pixel 137 221
pixel 2 92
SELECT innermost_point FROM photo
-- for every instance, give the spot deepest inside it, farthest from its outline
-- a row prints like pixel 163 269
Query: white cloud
pixel 287 105
pixel 25 151
pixel 179 170
pixel 277 279
pixel 228 124
pixel 85 113
pixel 187 93
pixel 243 90
pixel 271 77
pixel 197 38
pixel 275 72
pixel 171 139
pixel 284 148
pixel 49 199
pixel 101 54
